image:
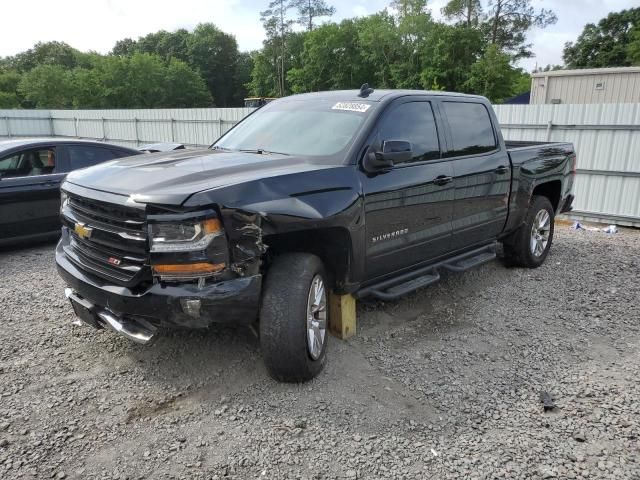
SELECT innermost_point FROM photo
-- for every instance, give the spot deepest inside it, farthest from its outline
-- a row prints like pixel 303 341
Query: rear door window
pixel 471 128
pixel 82 156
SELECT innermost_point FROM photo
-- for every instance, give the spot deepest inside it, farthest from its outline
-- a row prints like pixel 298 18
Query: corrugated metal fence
pixel 191 126
pixel 607 139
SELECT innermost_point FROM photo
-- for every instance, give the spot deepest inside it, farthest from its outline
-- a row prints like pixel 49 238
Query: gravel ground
pixel 445 383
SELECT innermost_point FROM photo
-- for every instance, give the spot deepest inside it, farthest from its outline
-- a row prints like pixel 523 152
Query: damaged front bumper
pixel 160 305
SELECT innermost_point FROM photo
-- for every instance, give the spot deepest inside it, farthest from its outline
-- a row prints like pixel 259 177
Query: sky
pixel 98 24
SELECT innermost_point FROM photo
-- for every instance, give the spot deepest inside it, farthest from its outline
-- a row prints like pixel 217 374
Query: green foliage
pixel 310 10
pixel 330 60
pixel 405 48
pixel 45 53
pixel 9 100
pixel 493 76
pixel 137 81
pixel 9 80
pixel 448 55
pixel 465 12
pixel 521 83
pixel 508 22
pixel 47 86
pixel 634 47
pixel 207 50
pixel 613 42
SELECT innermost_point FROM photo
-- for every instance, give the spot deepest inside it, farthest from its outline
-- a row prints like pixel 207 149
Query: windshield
pixel 309 128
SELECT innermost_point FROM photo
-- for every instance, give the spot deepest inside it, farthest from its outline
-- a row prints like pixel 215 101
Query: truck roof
pixel 375 96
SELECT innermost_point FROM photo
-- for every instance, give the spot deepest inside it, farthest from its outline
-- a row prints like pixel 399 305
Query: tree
pixel 242 77
pixel 510 20
pixel 47 86
pixel 448 55
pixel 492 75
pixel 184 87
pixel 413 23
pixel 277 26
pixel 309 10
pixel 634 47
pixel 9 96
pixel 215 55
pixel 607 44
pixel 467 12
pixel 331 60
pixel 125 47
pixel 207 50
pixel 46 53
pixel 379 47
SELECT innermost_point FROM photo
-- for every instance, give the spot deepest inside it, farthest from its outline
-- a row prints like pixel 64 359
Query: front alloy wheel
pixel 316 317
pixel 294 317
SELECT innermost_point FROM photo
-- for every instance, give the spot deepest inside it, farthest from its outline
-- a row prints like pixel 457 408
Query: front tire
pixel 294 318
pixel 530 244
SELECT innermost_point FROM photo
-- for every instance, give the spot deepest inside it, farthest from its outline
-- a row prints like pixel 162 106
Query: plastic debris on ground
pixel 609 229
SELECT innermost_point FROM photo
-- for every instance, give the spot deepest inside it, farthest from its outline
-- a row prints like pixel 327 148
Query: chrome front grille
pixel 116 250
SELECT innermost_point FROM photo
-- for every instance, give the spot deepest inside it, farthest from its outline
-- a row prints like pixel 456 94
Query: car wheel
pixel 530 244
pixel 294 318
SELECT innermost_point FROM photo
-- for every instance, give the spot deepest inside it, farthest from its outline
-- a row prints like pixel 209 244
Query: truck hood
pixel 169 178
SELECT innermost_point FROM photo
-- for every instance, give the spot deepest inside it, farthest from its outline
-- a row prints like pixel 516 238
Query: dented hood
pixel 170 178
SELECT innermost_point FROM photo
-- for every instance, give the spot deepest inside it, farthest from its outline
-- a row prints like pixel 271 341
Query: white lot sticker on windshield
pixel 351 106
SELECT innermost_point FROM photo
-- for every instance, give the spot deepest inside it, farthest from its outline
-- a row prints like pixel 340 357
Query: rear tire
pixel 529 245
pixel 294 318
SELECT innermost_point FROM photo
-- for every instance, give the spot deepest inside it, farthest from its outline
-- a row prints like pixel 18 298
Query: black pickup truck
pixel 369 193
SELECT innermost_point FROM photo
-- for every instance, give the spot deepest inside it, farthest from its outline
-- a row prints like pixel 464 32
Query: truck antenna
pixel 365 91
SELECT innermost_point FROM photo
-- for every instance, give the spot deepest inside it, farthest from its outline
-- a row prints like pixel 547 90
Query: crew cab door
pixel 29 192
pixel 408 208
pixel 481 170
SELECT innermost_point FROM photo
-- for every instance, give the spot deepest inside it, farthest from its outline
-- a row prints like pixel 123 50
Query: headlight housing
pixel 183 236
pixel 64 199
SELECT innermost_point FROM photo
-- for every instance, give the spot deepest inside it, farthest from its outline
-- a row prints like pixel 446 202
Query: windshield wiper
pixel 215 147
pixel 262 151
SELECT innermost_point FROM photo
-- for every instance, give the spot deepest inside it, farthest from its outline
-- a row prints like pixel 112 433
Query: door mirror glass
pixel 398 151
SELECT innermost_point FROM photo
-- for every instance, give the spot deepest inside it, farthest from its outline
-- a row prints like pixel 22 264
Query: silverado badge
pixel 82 230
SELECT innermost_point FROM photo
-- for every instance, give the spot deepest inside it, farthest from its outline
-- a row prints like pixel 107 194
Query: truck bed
pixel 518 144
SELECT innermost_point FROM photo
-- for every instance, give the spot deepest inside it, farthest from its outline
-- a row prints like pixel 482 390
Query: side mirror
pixel 393 151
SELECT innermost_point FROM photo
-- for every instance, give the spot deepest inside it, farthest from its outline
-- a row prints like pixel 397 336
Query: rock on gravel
pixel 442 384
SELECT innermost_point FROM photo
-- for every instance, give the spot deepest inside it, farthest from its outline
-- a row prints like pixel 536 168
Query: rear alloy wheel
pixel 294 318
pixel 530 244
pixel 540 231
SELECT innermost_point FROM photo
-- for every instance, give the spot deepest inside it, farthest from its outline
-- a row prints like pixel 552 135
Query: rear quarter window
pixel 471 128
pixel 82 156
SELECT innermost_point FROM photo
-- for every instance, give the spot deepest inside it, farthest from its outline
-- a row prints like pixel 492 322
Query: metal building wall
pixel 620 87
pixel 607 141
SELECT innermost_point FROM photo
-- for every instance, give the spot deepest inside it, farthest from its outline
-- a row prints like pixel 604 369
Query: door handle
pixel 501 170
pixel 442 180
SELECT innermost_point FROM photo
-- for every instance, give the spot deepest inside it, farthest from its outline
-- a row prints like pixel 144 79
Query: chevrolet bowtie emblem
pixel 82 230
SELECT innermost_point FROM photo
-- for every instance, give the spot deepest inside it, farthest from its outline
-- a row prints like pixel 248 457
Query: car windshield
pixel 309 128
